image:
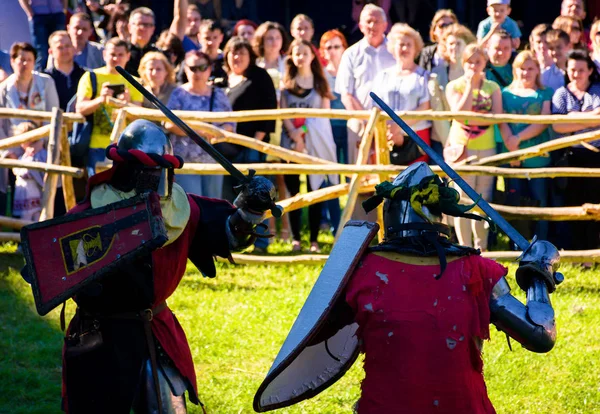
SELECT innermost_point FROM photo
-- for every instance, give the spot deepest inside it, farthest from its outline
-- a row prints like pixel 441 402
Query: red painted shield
pixel 65 254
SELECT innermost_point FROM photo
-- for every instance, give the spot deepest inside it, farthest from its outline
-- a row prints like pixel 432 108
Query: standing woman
pixel 430 55
pixel 197 95
pixel 526 96
pixel 404 87
pixel 270 44
pixel 452 44
pixel 305 86
pixel 332 46
pixel 581 94
pixel 595 37
pixel 24 89
pixel 574 28
pixel 158 76
pixel 473 92
pixel 250 88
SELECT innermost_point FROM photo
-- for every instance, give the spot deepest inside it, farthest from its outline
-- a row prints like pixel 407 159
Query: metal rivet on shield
pixel 135 207
pixel 64 278
pixel 143 241
pixel 54 240
pixel 118 256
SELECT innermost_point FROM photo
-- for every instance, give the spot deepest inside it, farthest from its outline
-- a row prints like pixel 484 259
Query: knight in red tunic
pixel 124 343
pixel 419 308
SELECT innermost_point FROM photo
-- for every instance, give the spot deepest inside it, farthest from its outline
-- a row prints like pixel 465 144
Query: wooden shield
pixel 63 255
pixel 309 362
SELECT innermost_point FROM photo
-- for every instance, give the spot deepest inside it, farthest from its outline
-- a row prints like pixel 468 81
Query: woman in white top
pixel 404 88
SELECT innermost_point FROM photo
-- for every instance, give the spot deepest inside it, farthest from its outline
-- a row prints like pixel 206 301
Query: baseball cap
pixel 492 2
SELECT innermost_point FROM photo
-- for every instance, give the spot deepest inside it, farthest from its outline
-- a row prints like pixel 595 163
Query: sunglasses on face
pixel 333 47
pixel 199 68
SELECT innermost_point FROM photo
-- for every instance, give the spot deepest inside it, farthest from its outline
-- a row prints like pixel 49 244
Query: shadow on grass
pixel 30 360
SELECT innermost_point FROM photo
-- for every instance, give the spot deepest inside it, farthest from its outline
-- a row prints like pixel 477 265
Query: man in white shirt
pixel 359 66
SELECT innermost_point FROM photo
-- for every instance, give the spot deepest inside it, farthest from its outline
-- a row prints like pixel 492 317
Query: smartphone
pixel 117 89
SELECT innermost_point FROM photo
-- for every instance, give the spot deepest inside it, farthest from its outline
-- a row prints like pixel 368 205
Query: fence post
pixel 382 154
pixel 51 180
pixel 363 157
pixel 120 124
pixel 67 180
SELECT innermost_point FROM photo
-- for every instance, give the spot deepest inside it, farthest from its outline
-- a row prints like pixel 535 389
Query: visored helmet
pixel 400 218
pixel 145 159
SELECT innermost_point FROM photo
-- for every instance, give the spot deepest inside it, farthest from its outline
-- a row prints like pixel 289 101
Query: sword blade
pixel 509 230
pixel 212 151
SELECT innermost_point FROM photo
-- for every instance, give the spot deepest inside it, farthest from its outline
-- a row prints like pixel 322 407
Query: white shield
pixel 303 368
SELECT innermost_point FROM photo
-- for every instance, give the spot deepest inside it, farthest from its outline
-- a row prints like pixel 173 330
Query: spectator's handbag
pixel 79 140
pixel 454 153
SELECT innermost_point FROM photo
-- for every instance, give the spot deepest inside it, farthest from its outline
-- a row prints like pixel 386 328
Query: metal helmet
pixel 145 136
pixel 149 168
pixel 399 214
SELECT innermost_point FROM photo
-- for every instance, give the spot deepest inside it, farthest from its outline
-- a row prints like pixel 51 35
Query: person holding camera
pixel 94 93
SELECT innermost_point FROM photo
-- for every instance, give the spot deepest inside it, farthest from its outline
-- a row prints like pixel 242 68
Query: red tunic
pixel 168 268
pixel 419 334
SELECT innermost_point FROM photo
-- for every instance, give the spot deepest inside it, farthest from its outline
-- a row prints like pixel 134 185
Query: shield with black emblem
pixel 63 255
pixel 322 344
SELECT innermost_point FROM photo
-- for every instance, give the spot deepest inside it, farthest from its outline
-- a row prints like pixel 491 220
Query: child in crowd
pixel 305 86
pixel 558 45
pixel 539 45
pixel 29 184
pixel 498 11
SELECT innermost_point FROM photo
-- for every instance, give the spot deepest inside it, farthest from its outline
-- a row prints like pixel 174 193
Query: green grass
pixel 237 322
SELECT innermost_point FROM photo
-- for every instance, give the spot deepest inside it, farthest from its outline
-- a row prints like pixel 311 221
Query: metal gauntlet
pixel 254 199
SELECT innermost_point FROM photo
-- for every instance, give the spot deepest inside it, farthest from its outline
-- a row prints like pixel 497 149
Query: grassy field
pixel 237 322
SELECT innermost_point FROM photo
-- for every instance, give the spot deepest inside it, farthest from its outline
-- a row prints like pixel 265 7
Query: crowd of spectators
pixel 234 62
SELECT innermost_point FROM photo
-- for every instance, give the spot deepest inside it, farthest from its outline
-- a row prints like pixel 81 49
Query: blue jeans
pixel 41 26
pixel 95 155
pixel 340 137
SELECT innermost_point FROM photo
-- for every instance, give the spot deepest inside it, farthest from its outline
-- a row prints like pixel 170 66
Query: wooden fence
pixel 362 177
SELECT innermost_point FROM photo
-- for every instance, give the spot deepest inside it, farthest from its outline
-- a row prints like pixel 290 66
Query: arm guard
pixel 532 325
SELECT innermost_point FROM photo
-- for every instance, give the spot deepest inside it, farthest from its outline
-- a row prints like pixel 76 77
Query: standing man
pixel 186 24
pixel 66 72
pixel 45 17
pixel 211 37
pixel 108 84
pixel 360 63
pixel 88 54
pixel 141 28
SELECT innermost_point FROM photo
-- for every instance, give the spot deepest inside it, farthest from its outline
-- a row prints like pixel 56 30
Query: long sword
pixel 206 146
pixel 510 231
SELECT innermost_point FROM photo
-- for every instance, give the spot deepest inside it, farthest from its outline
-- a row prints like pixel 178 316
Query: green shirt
pixel 531 104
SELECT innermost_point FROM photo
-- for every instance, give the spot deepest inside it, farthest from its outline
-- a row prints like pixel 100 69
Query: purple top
pixel 186 101
pixel 46 6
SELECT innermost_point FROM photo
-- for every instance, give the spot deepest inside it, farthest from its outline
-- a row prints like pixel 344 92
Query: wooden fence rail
pixel 290 113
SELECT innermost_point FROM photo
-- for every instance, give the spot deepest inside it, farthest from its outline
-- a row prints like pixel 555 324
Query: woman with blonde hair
pixel 473 92
pixel 158 76
pixel 526 96
pixel 595 38
pixel 574 28
pixel 404 88
pixel 430 55
pixel 452 43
